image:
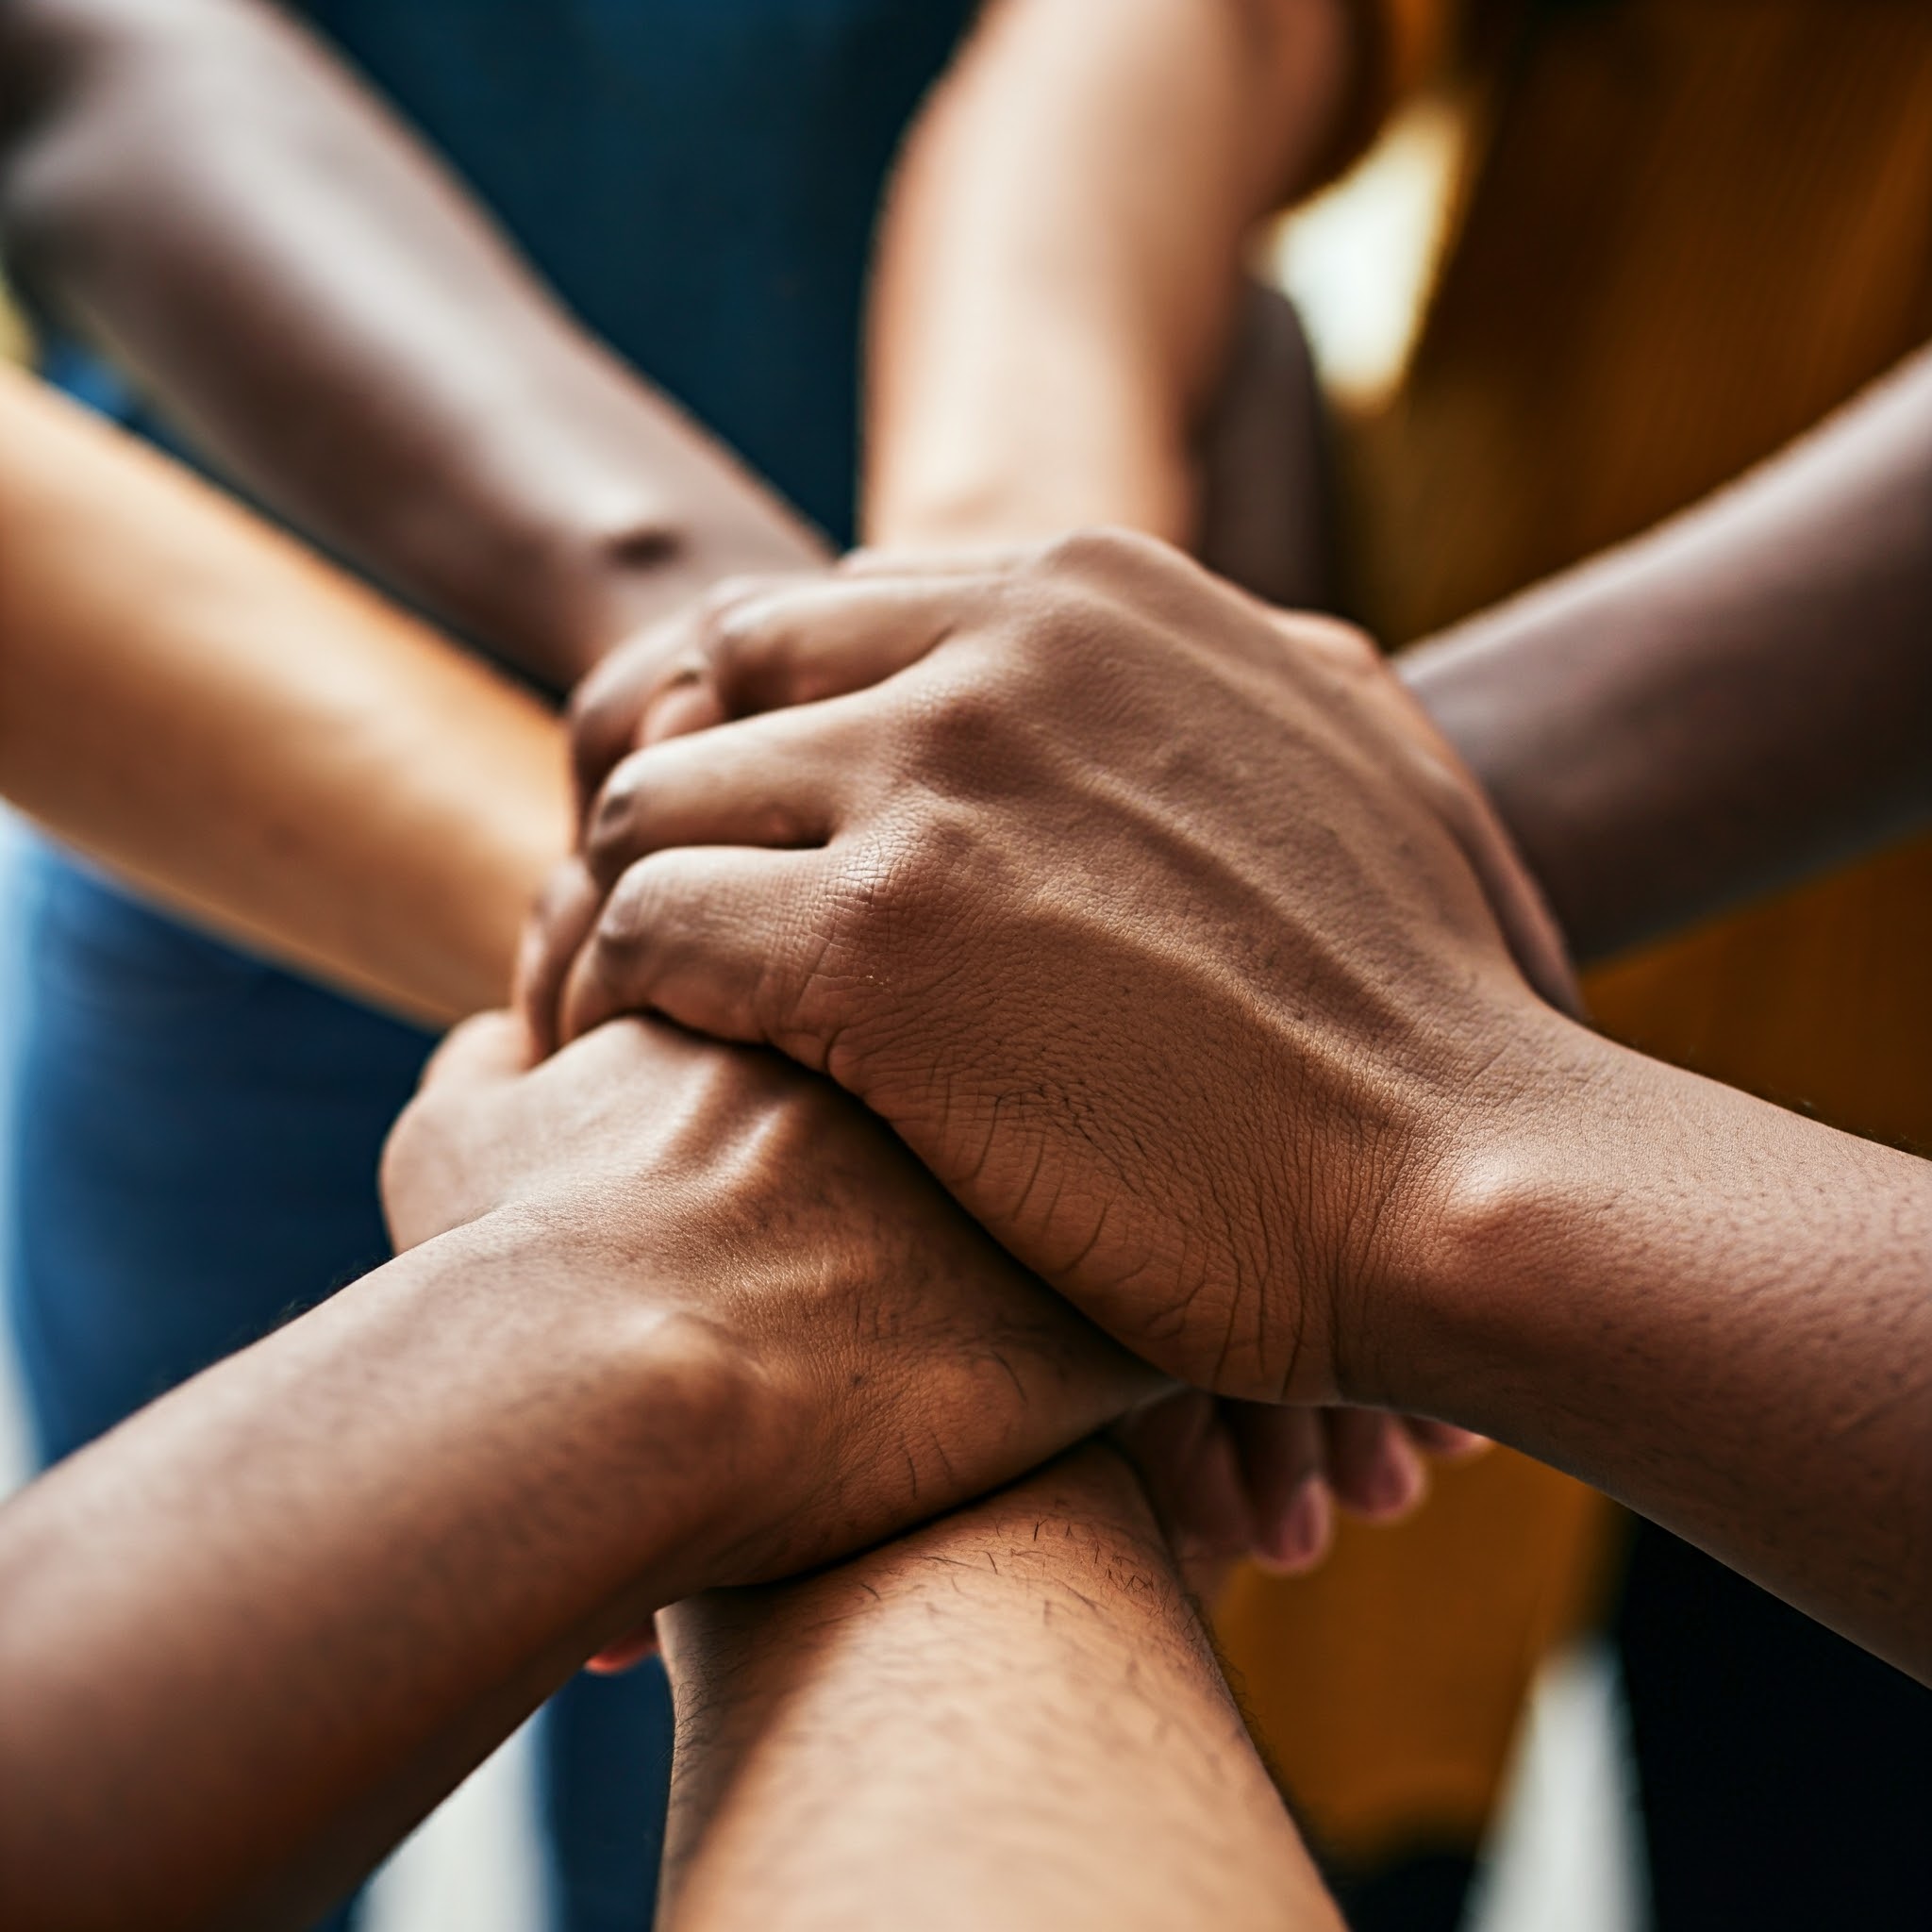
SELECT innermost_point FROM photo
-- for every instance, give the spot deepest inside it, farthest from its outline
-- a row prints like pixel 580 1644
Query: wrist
pixel 636 1417
pixel 1497 1201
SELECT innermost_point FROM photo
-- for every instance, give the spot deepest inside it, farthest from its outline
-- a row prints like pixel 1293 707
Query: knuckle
pixel 630 921
pixel 610 830
pixel 1107 553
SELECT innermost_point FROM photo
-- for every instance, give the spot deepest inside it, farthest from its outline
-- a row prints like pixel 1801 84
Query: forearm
pixel 207 192
pixel 260 742
pixel 365 1547
pixel 1717 1311
pixel 1061 257
pixel 1010 1718
pixel 1741 696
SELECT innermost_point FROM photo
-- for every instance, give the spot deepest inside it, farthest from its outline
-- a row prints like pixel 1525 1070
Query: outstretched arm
pixel 193 699
pixel 1714 710
pixel 1061 257
pixel 1176 941
pixel 1012 1717
pixel 675 1317
pixel 204 189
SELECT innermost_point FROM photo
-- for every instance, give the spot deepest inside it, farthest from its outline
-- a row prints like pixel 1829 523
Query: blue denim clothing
pixel 199 1132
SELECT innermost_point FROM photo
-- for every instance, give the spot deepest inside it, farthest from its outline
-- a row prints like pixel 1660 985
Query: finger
pixel 1377 1472
pixel 668 657
pixel 1444 1440
pixel 781 782
pixel 605 707
pixel 484 1051
pixel 1283 1455
pixel 710 938
pixel 798 645
pixel 625 1654
pixel 1187 1459
pixel 558 924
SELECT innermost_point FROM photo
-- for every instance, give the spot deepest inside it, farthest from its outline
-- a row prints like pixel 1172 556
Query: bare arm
pixel 1712 710
pixel 1198 883
pixel 673 1317
pixel 1061 257
pixel 201 704
pixel 1010 1718
pixel 207 192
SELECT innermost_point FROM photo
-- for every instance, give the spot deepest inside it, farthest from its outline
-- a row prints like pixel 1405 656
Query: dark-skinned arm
pixel 1736 699
pixel 203 189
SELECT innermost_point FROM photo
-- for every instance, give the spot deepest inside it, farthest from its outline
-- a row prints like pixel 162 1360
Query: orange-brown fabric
pixel 1386 1689
pixel 1699 226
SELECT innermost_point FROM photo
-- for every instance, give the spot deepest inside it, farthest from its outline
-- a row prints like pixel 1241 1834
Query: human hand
pixel 1161 927
pixel 880 1358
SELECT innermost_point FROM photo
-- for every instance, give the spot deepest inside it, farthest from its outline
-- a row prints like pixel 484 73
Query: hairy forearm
pixel 263 744
pixel 1717 1311
pixel 206 190
pixel 1718 707
pixel 364 1548
pixel 1061 257
pixel 1010 1718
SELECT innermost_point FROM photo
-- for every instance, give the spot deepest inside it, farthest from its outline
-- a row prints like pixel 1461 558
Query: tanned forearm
pixel 1721 707
pixel 248 1638
pixel 255 739
pixel 1010 1718
pixel 206 190
pixel 1061 257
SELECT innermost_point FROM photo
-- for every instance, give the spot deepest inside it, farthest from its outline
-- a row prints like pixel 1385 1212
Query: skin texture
pixel 1061 265
pixel 205 192
pixel 681 1317
pixel 1012 1717
pixel 254 739
pixel 941 902
pixel 1740 697
pixel 1198 998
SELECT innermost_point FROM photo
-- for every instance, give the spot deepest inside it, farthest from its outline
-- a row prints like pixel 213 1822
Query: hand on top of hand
pixel 882 1359
pixel 1161 927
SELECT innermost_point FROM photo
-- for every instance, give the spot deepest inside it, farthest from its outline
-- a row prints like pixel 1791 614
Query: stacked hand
pixel 865 1355
pixel 1161 927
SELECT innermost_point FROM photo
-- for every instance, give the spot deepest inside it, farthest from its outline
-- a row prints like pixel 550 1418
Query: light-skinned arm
pixel 1012 1718
pixel 198 703
pixel 1184 950
pixel 1061 258
pixel 1740 697
pixel 675 1317
pixel 208 192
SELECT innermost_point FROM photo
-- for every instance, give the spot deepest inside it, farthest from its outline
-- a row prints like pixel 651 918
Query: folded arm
pixel 1012 1717
pixel 193 699
pixel 1740 697
pixel 1061 258
pixel 205 190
